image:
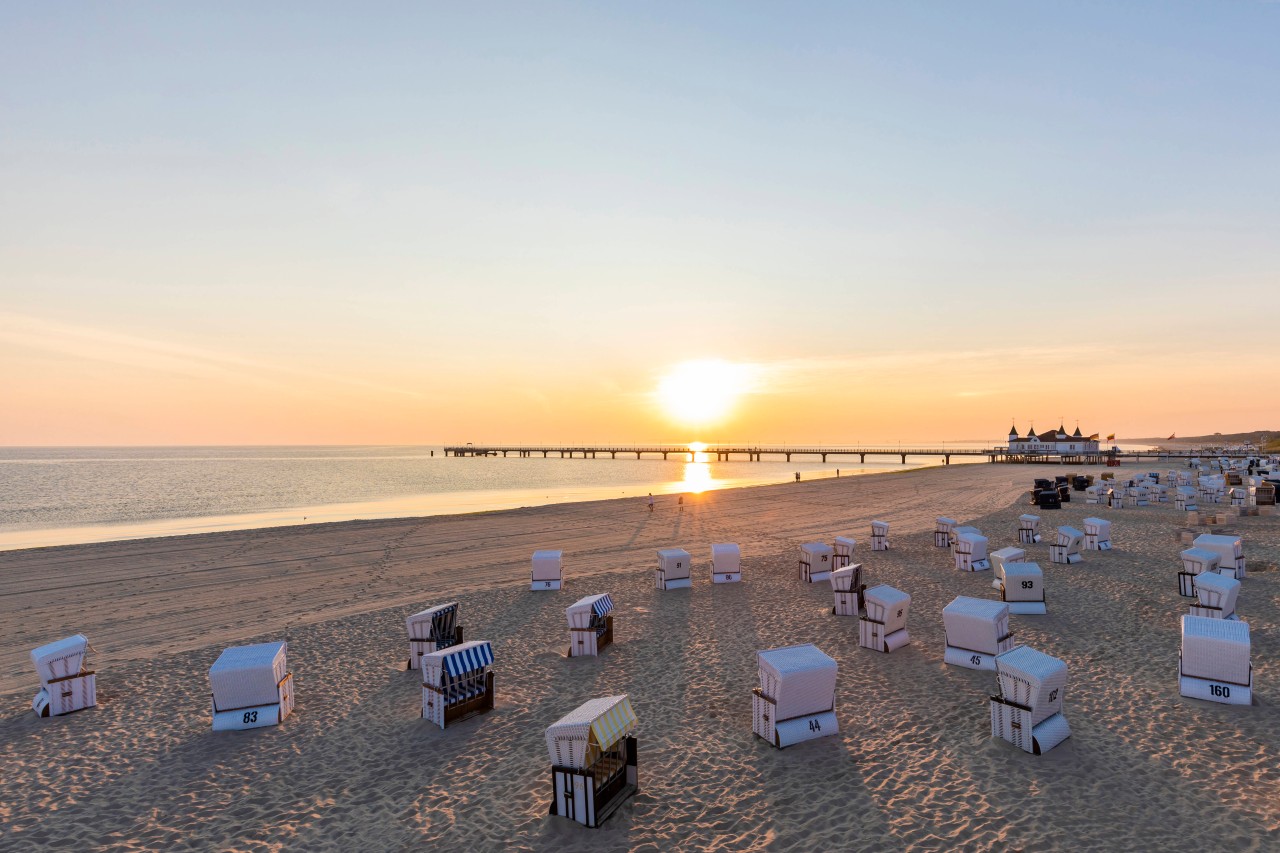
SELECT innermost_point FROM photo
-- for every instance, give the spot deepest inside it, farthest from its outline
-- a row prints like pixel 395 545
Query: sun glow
pixel 700 393
pixel 697 478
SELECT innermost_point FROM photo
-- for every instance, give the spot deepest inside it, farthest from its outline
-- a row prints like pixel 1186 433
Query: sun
pixel 702 393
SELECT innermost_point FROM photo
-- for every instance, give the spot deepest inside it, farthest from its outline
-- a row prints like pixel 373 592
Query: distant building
pixel 1052 443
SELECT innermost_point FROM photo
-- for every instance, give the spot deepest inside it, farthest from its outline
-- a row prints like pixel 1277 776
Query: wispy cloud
pixel 101 345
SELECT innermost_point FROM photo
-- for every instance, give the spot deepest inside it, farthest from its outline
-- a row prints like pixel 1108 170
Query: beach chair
pixel 1049 499
pixel 1097 494
pixel 547 571
pixel 843 549
pixel 1239 496
pixel 1023 589
pixel 590 625
pixel 1028 529
pixel 1229 549
pixel 1097 534
pixel 847 586
pixel 957 530
pixel 999 558
pixel 1067 547
pixel 976 631
pixel 726 563
pixel 883 625
pixel 1214 661
pixel 1194 562
pixel 879 536
pixel 673 569
pixel 971 552
pixel 1160 493
pixel 1064 489
pixel 815 561
pixel 65 684
pixel 1118 493
pixel 1184 499
pixel 457 683
pixel 1028 711
pixel 593 760
pixel 432 630
pixel 942 534
pixel 796 699
pixel 251 686
pixel 1216 596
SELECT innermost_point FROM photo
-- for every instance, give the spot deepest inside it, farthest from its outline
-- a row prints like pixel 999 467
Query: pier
pixel 721 452
pixel 726 452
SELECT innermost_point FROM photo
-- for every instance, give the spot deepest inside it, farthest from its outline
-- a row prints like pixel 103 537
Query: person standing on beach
pixel 680 502
pixel 651 502
pixel 797 476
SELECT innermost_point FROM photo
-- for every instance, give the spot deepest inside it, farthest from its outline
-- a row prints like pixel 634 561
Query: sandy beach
pixel 355 768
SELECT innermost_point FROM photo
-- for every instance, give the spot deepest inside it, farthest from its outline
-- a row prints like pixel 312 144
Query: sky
pixel 520 222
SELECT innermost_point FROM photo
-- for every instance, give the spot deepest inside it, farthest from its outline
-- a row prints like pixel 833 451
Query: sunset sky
pixel 413 223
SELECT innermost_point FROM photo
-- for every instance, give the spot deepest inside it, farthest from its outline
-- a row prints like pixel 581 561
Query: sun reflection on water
pixel 697 477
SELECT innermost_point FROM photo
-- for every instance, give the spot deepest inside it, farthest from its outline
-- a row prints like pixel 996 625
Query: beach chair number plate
pixel 814 725
pixel 546 584
pixel 1028 584
pixel 976 660
pixel 1221 690
pixel 250 717
pixel 1053 695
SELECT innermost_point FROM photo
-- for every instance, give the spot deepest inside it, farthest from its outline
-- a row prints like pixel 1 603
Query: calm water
pixel 52 496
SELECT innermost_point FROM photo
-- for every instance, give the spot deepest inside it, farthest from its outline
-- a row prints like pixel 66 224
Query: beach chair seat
pixel 1023 589
pixel 1230 551
pixel 65 684
pixel 1214 662
pixel 432 630
pixel 1097 534
pixel 976 631
pixel 726 563
pixel 796 698
pixel 1001 556
pixel 1216 596
pixel 590 625
pixel 547 572
pixel 883 625
pixel 879 536
pixel 1067 547
pixel 457 682
pixel 251 687
pixel 593 760
pixel 1028 710
pixel 1028 529
pixel 971 552
pixel 815 561
pixel 843 551
pixel 957 530
pixel 847 587
pixel 673 570
pixel 942 533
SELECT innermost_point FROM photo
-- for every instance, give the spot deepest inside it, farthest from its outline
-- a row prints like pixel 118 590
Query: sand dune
pixel 354 768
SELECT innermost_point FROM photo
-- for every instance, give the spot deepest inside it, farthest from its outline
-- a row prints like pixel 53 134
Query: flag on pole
pixel 1093 437
pixel 1111 437
pixel 1172 437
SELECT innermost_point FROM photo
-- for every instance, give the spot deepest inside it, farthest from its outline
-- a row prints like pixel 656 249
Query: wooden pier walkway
pixel 725 452
pixel 721 452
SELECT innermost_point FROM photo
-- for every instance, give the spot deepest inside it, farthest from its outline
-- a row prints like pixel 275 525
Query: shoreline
pixel 346 557
pixel 395 508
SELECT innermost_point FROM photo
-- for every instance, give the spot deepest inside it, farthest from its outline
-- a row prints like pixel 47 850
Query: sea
pixel 70 495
